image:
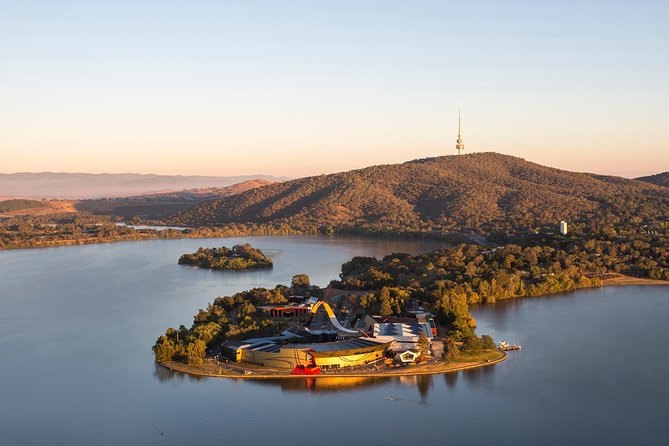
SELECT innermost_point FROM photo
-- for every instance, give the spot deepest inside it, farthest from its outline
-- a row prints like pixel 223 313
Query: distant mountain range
pixel 87 185
pixel 161 205
pixel 478 192
pixel 150 206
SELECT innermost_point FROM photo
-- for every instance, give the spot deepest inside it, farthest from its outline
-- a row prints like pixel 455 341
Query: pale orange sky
pixel 303 88
pixel 301 145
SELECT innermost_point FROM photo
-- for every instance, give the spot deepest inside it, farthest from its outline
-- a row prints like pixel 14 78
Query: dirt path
pixel 614 279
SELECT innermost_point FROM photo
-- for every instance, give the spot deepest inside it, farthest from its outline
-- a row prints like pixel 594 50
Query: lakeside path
pixel 217 369
pixel 613 279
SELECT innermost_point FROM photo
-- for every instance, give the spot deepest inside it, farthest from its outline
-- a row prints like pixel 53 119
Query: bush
pixel 472 343
pixel 487 343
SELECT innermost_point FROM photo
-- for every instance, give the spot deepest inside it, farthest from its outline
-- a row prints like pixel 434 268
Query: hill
pixel 482 192
pixel 87 185
pixel 661 179
pixel 158 206
pixel 205 193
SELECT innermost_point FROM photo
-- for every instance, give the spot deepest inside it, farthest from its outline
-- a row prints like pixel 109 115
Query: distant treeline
pixel 80 229
pixel 20 204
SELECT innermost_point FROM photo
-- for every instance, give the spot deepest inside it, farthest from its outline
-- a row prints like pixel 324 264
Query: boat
pixel 505 346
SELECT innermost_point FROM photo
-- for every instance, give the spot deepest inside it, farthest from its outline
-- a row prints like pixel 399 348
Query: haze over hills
pixel 661 179
pixel 160 205
pixel 478 192
pixel 205 193
pixel 87 185
pixel 151 206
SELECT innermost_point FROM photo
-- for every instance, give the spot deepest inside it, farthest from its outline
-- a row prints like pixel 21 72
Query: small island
pixel 239 257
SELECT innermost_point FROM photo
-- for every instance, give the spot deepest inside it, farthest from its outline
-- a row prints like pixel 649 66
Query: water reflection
pixel 338 384
pixel 423 383
pixel 499 315
pixel 475 377
pixel 163 374
pixel 451 379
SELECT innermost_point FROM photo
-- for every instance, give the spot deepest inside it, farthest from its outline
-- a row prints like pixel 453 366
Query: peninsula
pixel 382 314
pixel 292 332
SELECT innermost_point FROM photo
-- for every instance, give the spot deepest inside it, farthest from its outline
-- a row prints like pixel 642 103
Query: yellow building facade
pixel 289 357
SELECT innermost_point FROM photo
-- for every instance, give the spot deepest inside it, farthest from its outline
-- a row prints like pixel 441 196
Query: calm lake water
pixel 77 324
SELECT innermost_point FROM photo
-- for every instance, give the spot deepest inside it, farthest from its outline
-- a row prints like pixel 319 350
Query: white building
pixel 402 332
pixel 563 227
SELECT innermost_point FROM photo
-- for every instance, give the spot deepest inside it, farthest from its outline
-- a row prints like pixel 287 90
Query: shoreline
pixel 209 369
pixel 147 236
pixel 623 280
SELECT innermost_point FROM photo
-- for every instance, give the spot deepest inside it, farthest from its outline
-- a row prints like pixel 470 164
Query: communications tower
pixel 459 146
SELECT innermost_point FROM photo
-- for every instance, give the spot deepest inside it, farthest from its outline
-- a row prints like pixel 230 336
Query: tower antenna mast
pixel 459 146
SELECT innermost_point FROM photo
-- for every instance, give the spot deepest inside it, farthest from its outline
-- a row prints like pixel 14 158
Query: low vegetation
pixel 238 257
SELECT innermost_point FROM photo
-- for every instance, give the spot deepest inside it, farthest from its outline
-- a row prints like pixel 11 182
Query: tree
pixel 384 298
pixel 471 343
pixel 195 352
pixel 487 343
pixel 453 312
pixel 164 349
pixel 423 346
pixel 300 282
pixel 451 351
pixel 367 300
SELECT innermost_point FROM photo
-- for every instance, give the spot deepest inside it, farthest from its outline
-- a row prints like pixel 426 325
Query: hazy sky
pixel 298 88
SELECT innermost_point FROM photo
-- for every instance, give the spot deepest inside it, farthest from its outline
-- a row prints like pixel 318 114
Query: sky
pixel 298 88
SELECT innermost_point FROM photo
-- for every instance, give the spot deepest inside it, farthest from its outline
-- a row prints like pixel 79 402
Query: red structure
pixel 288 311
pixel 309 369
pixel 306 370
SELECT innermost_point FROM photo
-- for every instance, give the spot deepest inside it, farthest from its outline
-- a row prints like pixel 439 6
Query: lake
pixel 77 325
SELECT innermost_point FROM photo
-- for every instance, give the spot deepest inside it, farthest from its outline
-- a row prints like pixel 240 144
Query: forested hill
pixel 482 192
pixel 661 178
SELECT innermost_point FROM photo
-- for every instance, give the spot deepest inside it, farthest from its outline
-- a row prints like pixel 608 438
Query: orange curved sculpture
pixel 332 317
